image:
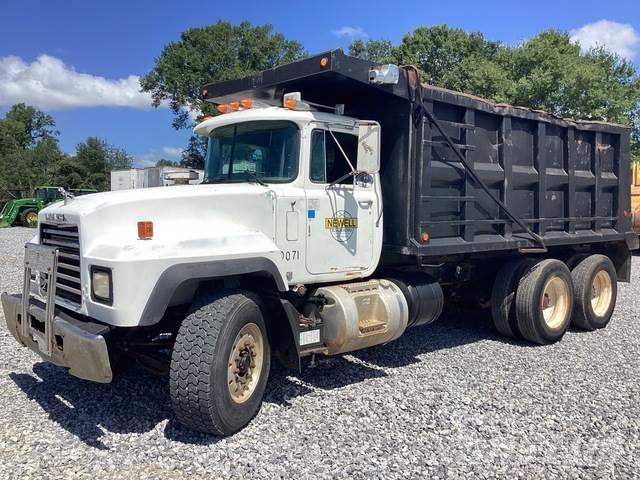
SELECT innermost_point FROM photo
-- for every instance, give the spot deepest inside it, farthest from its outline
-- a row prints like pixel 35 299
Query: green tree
pixel 379 51
pixel 546 72
pixel 163 162
pixel 29 125
pixel 118 159
pixel 221 51
pixel 193 156
pixel 439 52
pixel 28 149
pixel 96 158
pixel 71 174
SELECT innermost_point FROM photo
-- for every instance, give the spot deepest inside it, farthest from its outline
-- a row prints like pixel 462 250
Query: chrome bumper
pixel 57 337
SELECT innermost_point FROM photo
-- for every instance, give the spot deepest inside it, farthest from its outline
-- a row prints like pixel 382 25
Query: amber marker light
pixel 246 103
pixel 324 61
pixel 425 237
pixel 223 108
pixel 290 103
pixel 234 105
pixel 145 230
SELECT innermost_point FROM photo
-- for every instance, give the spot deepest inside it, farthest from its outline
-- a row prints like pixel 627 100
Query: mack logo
pixel 342 225
pixel 55 217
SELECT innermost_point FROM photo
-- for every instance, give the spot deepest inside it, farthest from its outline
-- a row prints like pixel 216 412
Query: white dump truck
pixel 343 203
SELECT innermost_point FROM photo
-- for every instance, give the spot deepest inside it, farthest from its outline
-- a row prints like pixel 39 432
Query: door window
pixel 327 161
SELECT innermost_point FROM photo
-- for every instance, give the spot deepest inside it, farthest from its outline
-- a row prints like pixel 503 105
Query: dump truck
pixel 24 211
pixel 344 204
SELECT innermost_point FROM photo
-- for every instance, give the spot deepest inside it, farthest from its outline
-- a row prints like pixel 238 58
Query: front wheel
pixel 220 362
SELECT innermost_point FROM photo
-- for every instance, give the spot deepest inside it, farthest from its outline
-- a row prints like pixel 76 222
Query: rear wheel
pixel 220 363
pixel 29 217
pixel 544 302
pixel 596 289
pixel 503 296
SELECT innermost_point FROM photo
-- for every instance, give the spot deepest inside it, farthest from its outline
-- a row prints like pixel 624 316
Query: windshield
pixel 262 151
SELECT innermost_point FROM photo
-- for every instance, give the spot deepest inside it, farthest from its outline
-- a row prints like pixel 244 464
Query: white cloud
pixel 620 38
pixel 149 159
pixel 172 153
pixel 48 83
pixel 350 32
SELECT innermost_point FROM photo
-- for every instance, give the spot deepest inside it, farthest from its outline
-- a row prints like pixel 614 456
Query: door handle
pixel 365 203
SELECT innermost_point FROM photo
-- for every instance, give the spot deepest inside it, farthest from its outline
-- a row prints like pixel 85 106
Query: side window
pixel 327 162
pixel 318 171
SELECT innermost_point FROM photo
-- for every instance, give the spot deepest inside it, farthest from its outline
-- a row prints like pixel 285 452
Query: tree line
pixel 546 72
pixel 30 156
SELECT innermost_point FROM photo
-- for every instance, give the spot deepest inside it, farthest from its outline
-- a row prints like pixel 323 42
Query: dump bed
pixel 499 178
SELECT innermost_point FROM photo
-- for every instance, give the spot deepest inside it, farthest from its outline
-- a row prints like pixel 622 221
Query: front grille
pixel 67 240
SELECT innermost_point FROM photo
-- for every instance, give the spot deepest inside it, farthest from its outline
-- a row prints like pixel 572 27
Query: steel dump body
pixel 567 181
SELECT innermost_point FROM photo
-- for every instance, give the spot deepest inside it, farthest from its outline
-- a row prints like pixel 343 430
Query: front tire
pixel 220 362
pixel 596 289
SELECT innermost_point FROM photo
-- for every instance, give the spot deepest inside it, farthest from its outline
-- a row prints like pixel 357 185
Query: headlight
pixel 101 284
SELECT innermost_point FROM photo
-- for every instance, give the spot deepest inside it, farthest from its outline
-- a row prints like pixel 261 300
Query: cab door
pixel 341 216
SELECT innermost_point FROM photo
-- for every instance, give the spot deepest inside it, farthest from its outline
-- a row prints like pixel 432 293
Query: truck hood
pixel 190 217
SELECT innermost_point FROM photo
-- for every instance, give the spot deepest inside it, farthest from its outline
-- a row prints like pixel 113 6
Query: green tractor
pixel 24 211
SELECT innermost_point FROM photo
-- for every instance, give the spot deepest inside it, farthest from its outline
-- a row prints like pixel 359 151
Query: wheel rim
pixel 555 302
pixel 601 293
pixel 245 363
pixel 32 218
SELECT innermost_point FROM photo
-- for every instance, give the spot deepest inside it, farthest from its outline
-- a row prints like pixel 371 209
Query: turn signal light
pixel 223 108
pixel 290 103
pixel 246 103
pixel 145 230
pixel 234 105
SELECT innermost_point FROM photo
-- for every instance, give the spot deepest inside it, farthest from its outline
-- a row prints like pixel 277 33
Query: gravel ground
pixel 450 400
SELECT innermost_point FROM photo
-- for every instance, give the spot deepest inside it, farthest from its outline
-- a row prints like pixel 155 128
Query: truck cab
pixel 319 173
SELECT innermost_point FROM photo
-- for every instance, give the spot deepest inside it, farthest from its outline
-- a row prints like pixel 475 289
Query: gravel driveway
pixel 450 400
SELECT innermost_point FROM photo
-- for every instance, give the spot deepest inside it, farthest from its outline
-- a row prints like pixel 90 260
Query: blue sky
pixel 69 44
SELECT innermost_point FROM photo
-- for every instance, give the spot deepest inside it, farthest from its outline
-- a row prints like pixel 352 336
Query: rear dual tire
pixel 544 302
pixel 596 288
pixel 538 301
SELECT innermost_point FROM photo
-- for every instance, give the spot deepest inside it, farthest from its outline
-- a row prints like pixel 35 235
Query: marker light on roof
pixel 293 101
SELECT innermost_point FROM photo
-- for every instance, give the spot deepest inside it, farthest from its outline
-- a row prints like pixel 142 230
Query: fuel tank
pixel 359 315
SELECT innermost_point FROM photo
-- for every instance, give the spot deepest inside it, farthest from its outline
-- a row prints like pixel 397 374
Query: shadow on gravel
pixel 136 402
pixel 457 327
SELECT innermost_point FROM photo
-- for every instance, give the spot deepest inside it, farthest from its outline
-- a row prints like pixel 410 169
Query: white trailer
pixel 149 177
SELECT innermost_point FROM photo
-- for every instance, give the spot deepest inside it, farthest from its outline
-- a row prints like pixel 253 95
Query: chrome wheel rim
pixel 245 363
pixel 601 293
pixel 555 302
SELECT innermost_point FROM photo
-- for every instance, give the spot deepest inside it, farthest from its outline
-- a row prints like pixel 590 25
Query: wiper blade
pixel 255 177
pixel 214 179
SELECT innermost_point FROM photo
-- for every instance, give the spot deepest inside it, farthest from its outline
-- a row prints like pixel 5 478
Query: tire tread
pixel 193 356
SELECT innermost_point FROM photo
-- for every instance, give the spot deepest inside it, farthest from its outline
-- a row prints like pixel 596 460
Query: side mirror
pixel 368 147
